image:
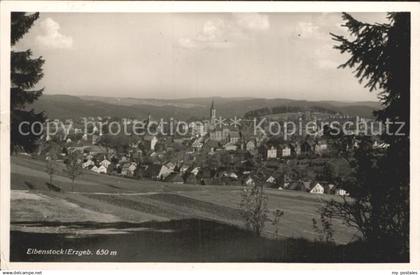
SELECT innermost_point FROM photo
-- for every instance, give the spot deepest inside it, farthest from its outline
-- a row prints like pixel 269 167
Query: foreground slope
pixel 108 198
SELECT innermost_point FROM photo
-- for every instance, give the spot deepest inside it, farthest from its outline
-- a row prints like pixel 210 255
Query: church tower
pixel 212 113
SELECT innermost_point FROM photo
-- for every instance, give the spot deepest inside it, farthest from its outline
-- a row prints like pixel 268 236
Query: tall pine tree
pixel 25 73
pixel 379 186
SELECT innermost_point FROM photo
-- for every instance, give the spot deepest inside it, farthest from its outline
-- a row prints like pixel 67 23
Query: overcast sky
pixel 192 55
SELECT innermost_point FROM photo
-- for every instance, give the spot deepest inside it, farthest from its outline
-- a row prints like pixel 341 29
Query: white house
pixel 170 165
pixel 317 189
pixel 272 153
pixel 286 151
pixel 78 131
pixel 195 171
pixel 341 192
pixel 323 146
pixel 230 147
pixel 87 163
pixel 101 170
pixel 105 163
pixel 153 143
pixel 95 129
pixel 166 170
pixel 250 181
pixel 377 145
pixel 231 175
pixel 271 180
pixel 132 168
pixel 197 145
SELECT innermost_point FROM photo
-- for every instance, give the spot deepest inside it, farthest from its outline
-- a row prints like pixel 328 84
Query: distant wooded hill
pixel 65 106
pixel 287 109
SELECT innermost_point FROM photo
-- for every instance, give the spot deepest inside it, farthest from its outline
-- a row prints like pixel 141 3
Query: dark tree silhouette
pixel 254 207
pixel 254 202
pixel 379 185
pixel 25 72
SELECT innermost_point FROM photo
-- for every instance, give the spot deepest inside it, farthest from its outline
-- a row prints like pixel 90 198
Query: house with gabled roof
pixel 88 164
pixel 102 170
pixel 341 192
pixel 197 145
pixel 316 188
pixel 166 169
pixel 131 169
pixel 105 163
pixel 271 180
pixel 272 153
pixel 195 171
pixel 286 151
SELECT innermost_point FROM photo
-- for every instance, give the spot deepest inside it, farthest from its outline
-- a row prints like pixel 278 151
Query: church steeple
pixel 212 112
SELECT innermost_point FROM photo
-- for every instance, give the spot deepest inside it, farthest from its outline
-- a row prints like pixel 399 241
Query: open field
pixel 98 199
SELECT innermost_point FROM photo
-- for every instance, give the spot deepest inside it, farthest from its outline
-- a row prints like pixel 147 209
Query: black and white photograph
pixel 204 137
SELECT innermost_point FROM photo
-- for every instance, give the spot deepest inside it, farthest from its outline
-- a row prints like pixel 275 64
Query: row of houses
pixel 296 149
pixel 124 168
pixel 315 187
pixel 187 173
